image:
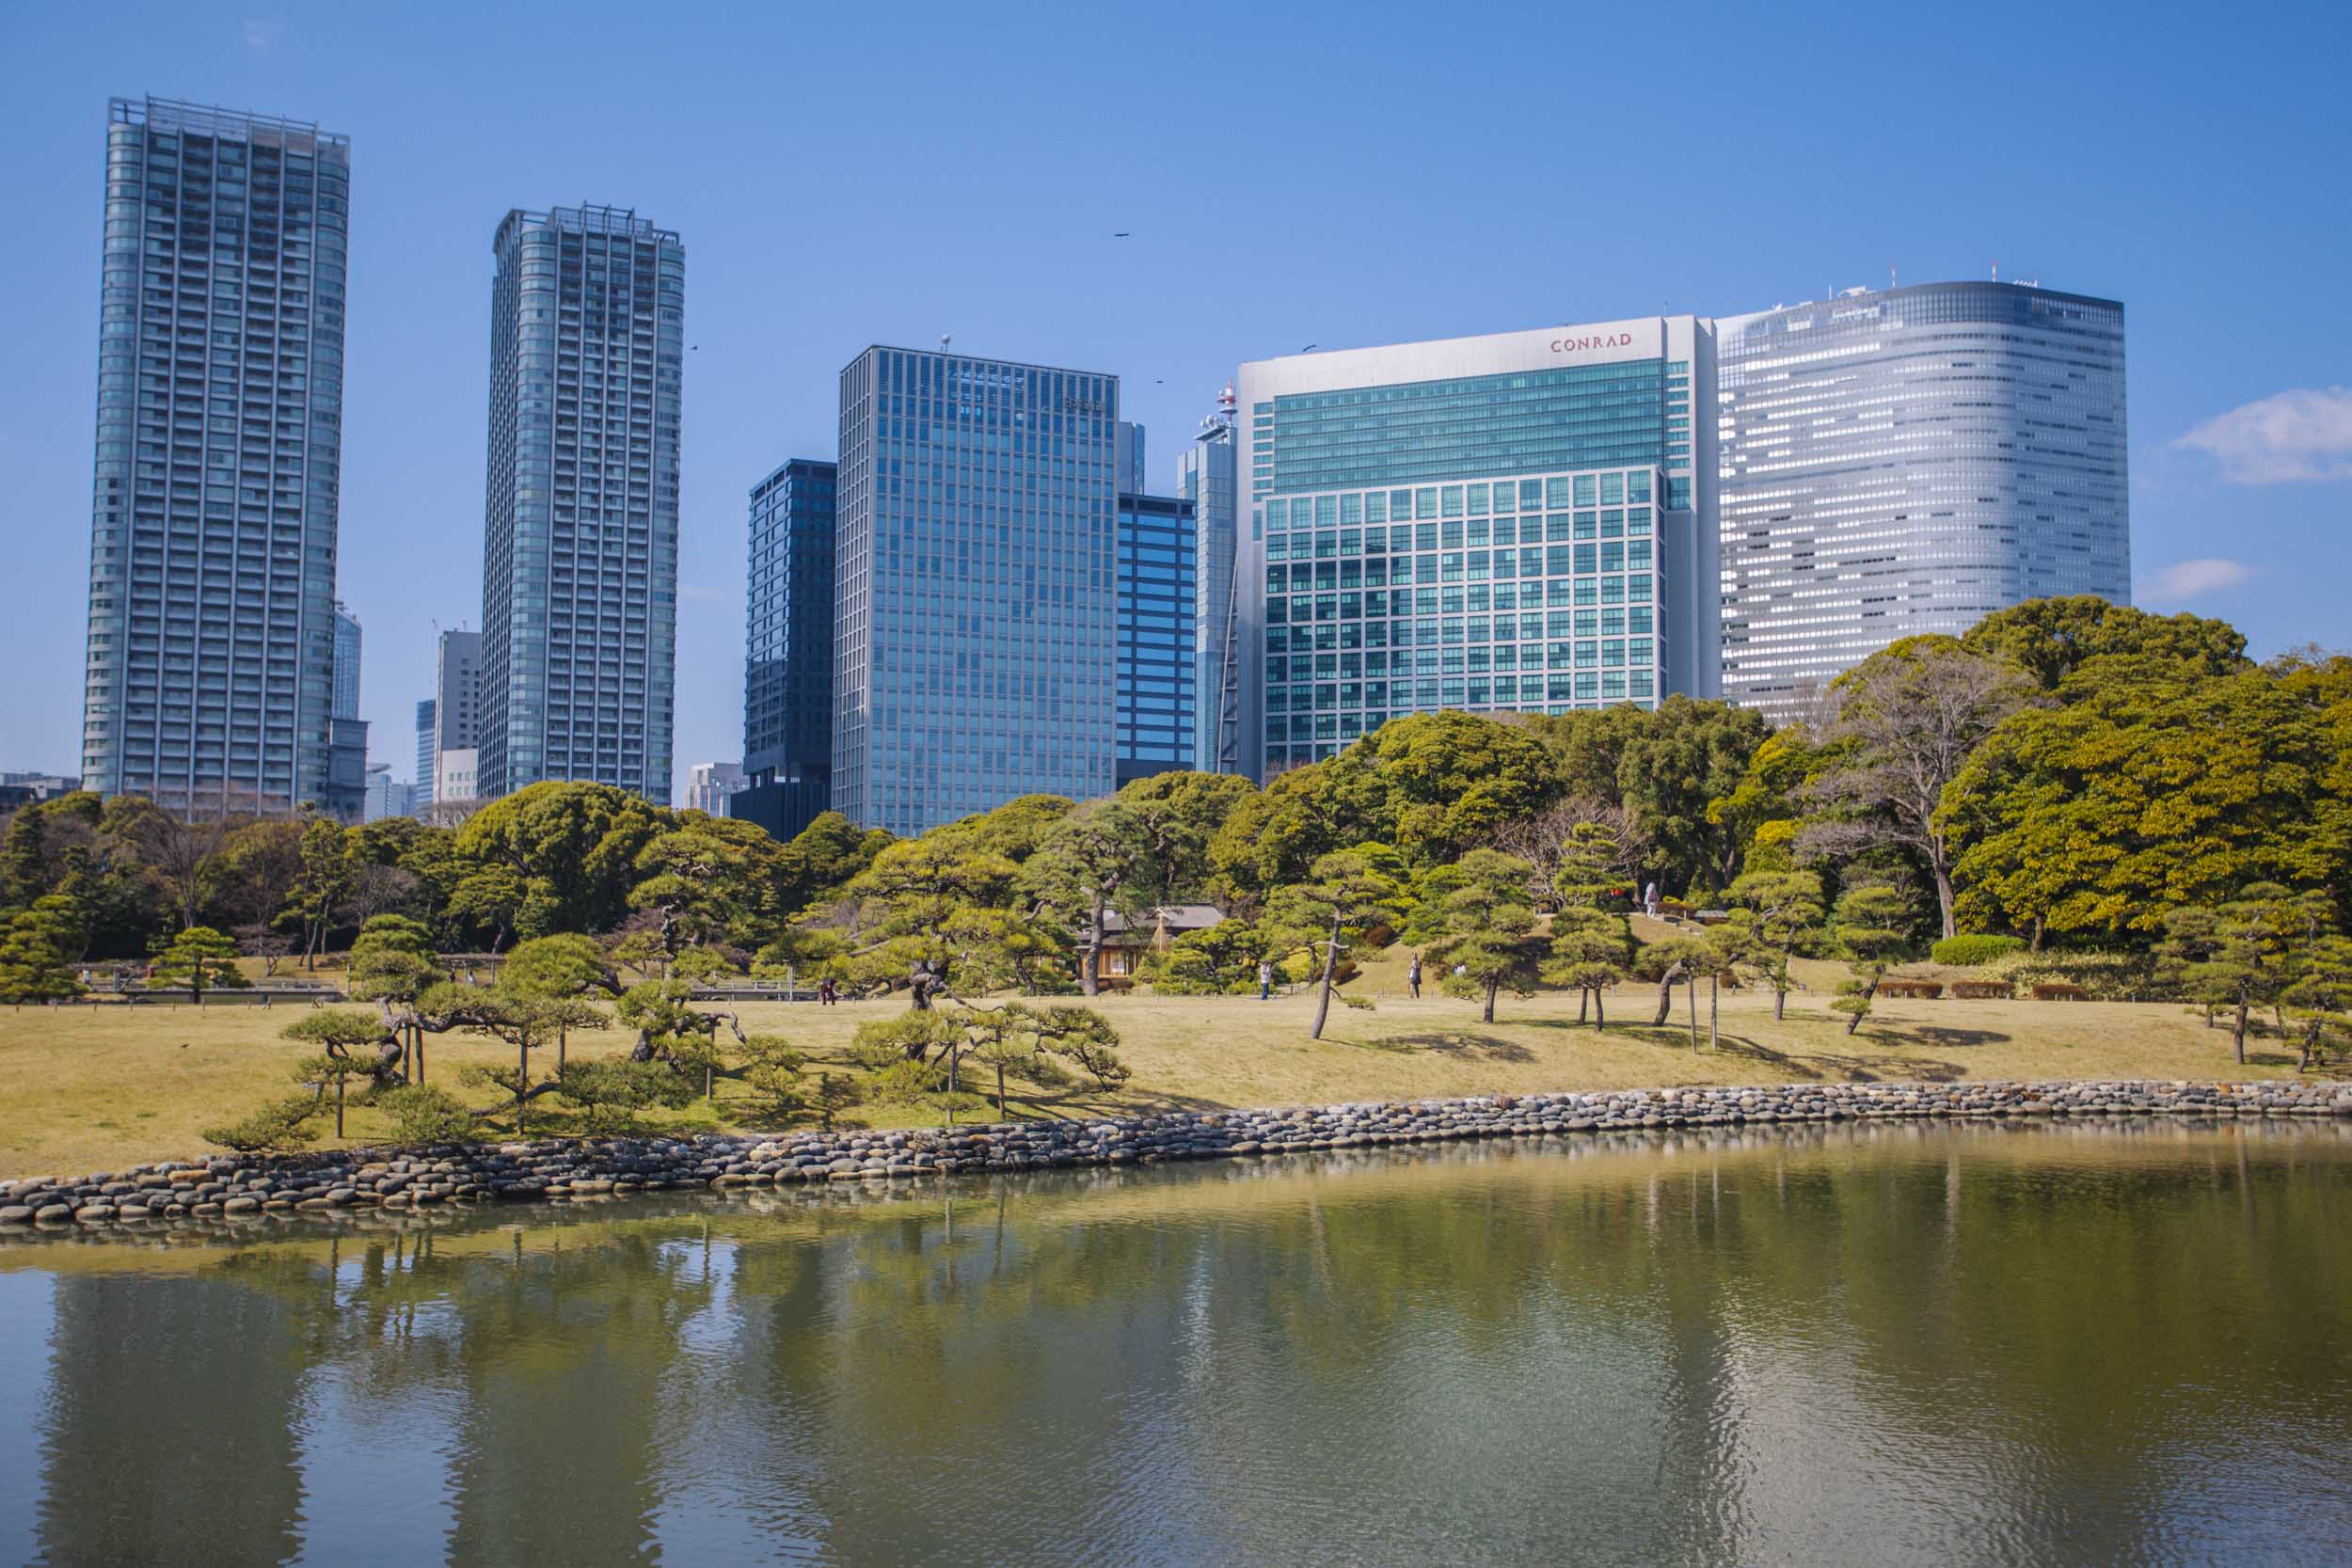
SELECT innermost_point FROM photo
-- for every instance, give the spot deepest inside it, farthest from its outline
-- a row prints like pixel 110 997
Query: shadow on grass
pixel 1451 1042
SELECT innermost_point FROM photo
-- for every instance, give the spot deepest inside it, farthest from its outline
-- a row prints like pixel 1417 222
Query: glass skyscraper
pixel 1157 575
pixel 348 639
pixel 581 536
pixel 1911 460
pixel 975 586
pixel 210 670
pixel 788 669
pixel 1204 477
pixel 1523 522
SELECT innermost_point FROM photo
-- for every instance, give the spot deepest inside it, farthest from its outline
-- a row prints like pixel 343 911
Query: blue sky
pixel 1335 175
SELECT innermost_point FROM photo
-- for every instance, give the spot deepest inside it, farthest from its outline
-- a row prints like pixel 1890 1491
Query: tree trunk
pixel 339 1106
pixel 522 1082
pixel 2040 928
pixel 1583 1003
pixel 1714 1024
pixel 2238 1030
pixel 1598 1019
pixel 1491 987
pixel 560 1048
pixel 1666 994
pixel 1000 1091
pixel 1090 972
pixel 1780 993
pixel 1691 986
pixel 1943 894
pixel 1323 996
pixel 1854 1020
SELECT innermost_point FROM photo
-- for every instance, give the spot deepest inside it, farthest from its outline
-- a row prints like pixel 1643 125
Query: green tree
pixel 33 946
pixel 1687 959
pixel 1590 949
pixel 343 1035
pixel 1774 916
pixel 323 882
pixel 1218 961
pixel 2321 994
pixel 1174 819
pixel 1693 754
pixel 1089 863
pixel 1869 936
pixel 1478 911
pixel 562 971
pixel 937 915
pixel 524 1021
pixel 709 879
pixel 197 959
pixel 1349 895
pixel 1437 784
pixel 2051 638
pixel 1909 717
pixel 571 849
pixel 819 861
pixel 392 964
pixel 2244 953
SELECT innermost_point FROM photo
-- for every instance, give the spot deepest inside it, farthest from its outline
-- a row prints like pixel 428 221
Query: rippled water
pixel 1858 1345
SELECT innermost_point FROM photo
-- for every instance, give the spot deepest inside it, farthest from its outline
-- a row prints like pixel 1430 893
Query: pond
pixel 1872 1344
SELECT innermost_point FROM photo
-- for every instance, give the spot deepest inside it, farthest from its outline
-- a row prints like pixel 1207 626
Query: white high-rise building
pixel 1904 461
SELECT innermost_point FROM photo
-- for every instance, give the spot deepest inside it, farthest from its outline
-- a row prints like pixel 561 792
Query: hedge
pixel 1966 952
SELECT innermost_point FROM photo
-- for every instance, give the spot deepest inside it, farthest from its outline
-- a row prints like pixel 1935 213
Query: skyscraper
pixel 1204 477
pixel 1523 522
pixel 788 664
pixel 579 543
pixel 449 719
pixel 1157 573
pixel 426 751
pixel 348 642
pixel 710 785
pixel 975 620
pixel 210 674
pixel 1911 460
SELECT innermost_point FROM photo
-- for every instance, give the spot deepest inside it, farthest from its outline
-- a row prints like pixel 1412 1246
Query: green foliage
pixel 554 857
pixel 612 1095
pixel 2106 976
pixel 424 1116
pixel 776 1076
pixel 1352 894
pixel 565 964
pixel 1969 949
pixel 1871 935
pixel 1691 754
pixel 911 1036
pixel 1774 915
pixel 282 1125
pixel 1477 912
pixel 196 960
pixel 1219 960
pixel 34 943
pixel 1590 951
pixel 339 1029
pixel 2320 994
pixel 820 860
pixel 2051 638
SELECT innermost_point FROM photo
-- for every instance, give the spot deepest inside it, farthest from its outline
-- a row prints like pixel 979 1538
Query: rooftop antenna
pixel 1890 275
pixel 944 340
pixel 1996 272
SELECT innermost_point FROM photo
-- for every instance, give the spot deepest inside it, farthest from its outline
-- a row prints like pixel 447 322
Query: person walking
pixel 1266 979
pixel 1412 977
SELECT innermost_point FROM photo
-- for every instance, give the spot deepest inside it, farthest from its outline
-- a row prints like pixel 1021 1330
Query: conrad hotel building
pixel 1524 522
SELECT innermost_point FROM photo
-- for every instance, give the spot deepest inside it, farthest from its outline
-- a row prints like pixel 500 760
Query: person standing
pixel 1266 979
pixel 1412 977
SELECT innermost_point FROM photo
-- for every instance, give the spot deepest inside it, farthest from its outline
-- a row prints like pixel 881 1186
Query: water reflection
pixel 1885 1344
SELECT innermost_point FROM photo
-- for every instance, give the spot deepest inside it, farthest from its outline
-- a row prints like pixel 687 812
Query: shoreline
pixel 235 1186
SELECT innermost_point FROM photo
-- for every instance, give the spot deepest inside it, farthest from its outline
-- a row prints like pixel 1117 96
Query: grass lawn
pixel 94 1088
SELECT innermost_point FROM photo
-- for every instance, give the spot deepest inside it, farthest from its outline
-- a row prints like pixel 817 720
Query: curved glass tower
pixel 1907 460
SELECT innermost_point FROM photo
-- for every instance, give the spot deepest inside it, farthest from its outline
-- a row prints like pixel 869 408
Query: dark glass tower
pixel 788 669
pixel 210 674
pixel 1157 579
pixel 580 541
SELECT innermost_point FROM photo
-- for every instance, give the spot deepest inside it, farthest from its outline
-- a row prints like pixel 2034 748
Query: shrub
pixel 1966 952
pixel 424 1116
pixel 2103 977
pixel 281 1125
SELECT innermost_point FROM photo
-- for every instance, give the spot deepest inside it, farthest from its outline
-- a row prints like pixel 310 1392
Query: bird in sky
pixel 1308 349
pixel 1123 234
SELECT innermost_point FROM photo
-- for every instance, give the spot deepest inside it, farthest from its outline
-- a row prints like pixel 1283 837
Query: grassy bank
pixel 90 1089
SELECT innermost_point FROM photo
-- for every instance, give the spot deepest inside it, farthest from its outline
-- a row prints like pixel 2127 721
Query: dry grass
pixel 91 1088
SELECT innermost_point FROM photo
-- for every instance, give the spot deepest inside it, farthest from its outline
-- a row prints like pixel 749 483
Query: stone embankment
pixel 563 1169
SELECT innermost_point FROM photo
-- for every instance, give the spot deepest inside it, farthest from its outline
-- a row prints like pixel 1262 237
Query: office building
pixel 1204 477
pixel 455 782
pixel 1157 570
pixel 1905 461
pixel 1516 523
pixel 210 673
pixel 345 701
pixel 386 795
pixel 974 601
pixel 24 788
pixel 581 536
pixel 425 752
pixel 710 785
pixel 787 663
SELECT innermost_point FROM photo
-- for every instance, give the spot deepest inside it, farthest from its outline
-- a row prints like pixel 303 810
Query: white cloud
pixel 260 32
pixel 2191 579
pixel 2305 433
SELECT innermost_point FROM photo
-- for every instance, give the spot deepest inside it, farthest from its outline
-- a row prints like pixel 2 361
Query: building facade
pixel 710 785
pixel 210 671
pixel 787 665
pixel 1517 523
pixel 1906 461
pixel 1158 571
pixel 975 586
pixel 425 753
pixel 457 782
pixel 580 535
pixel 346 701
pixel 1204 477
pixel 386 795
